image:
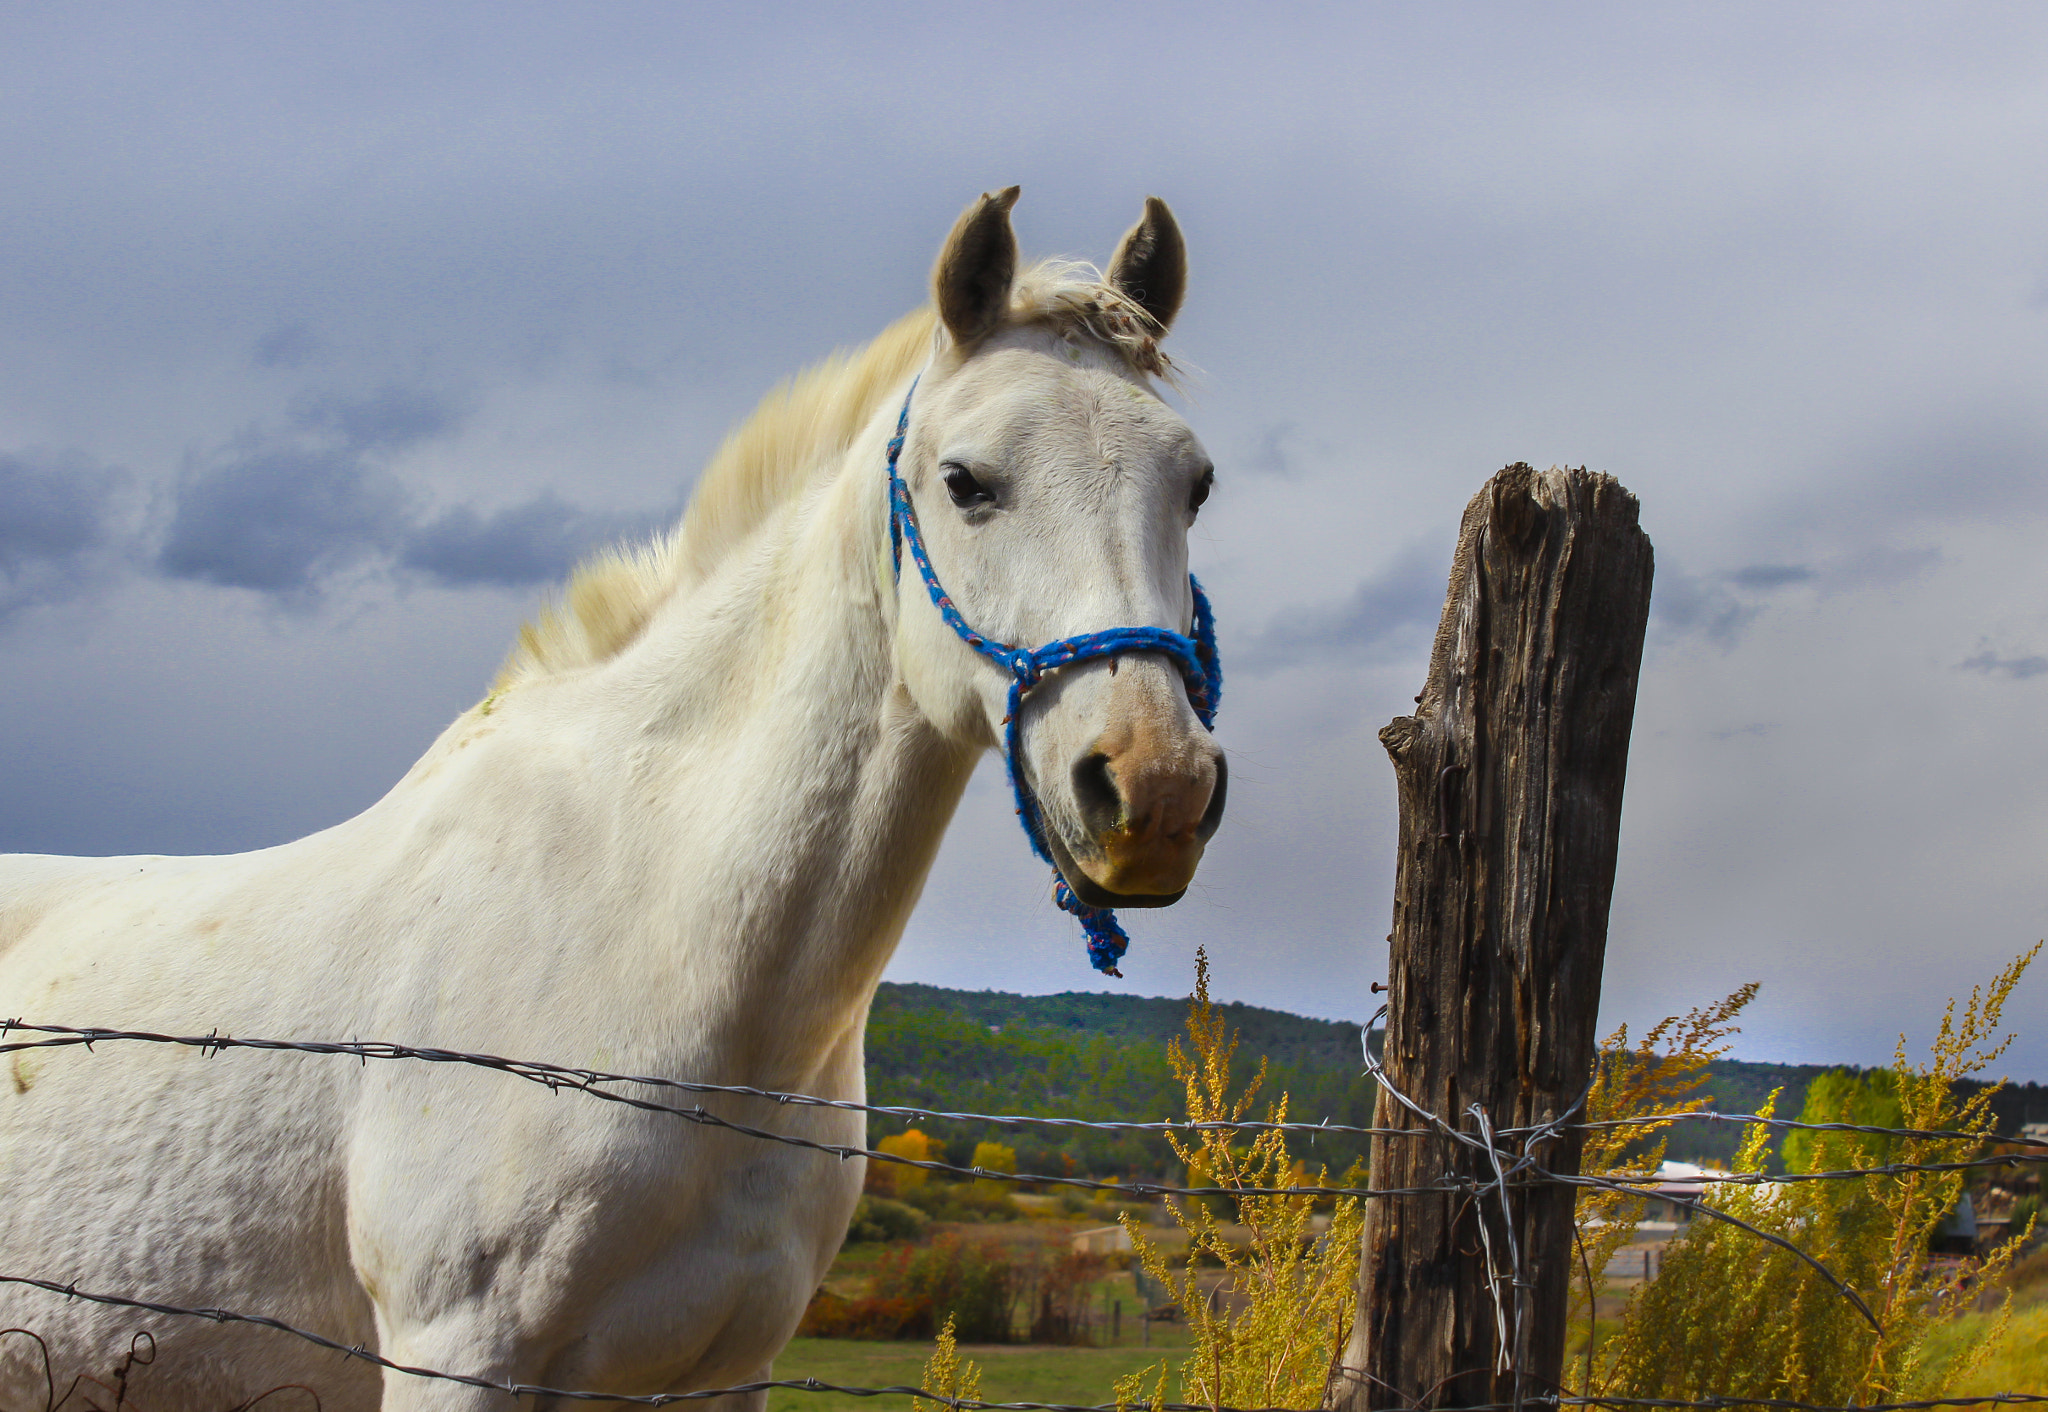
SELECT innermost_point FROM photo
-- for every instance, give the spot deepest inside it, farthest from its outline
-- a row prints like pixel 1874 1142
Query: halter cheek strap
pixel 1196 657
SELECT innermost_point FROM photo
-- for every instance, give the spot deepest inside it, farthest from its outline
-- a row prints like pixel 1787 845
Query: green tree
pixel 1845 1096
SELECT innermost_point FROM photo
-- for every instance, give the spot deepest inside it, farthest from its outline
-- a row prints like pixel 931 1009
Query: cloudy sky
pixel 329 336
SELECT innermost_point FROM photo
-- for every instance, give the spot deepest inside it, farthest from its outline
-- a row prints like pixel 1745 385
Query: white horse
pixel 681 836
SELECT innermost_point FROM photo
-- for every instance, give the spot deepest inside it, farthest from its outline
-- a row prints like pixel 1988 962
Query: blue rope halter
pixel 1195 656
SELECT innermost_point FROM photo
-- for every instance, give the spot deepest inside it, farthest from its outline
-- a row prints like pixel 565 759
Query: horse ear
pixel 971 281
pixel 1151 263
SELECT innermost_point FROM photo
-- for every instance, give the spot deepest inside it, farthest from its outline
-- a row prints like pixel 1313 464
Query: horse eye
pixel 1201 491
pixel 966 491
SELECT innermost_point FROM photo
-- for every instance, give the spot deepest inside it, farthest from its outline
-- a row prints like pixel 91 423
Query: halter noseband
pixel 1196 657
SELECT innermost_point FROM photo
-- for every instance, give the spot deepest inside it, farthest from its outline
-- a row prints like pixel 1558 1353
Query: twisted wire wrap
pixel 1200 667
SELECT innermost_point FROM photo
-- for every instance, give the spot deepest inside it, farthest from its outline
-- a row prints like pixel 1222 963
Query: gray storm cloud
pixel 281 510
pixel 57 514
pixel 1990 664
pixel 535 542
pixel 1390 616
pixel 275 518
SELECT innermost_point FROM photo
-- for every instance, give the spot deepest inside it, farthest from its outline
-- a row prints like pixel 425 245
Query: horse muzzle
pixel 1147 822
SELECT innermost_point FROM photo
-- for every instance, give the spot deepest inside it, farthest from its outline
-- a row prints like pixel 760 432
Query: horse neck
pixel 805 794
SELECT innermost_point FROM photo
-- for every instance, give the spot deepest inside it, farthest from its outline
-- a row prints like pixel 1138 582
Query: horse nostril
pixel 1096 794
pixel 1213 815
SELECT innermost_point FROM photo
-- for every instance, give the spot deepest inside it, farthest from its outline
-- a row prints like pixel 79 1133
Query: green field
pixel 1010 1372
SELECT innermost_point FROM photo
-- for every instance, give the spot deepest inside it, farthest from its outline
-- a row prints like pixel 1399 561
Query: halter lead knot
pixel 1200 667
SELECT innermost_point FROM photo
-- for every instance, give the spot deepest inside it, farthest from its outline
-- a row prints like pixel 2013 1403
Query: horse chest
pixel 616 1248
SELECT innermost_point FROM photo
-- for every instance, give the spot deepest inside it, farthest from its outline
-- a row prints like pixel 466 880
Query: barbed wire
pixel 960 1404
pixel 1889 1169
pixel 69 1035
pixel 557 1077
pixel 1707 1115
pixel 1500 1187
pixel 1511 1170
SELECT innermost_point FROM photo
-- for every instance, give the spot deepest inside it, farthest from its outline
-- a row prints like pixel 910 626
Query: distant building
pixel 1103 1240
pixel 1679 1186
pixel 1957 1234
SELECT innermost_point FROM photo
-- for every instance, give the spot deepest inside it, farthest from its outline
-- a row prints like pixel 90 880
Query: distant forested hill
pixel 1096 1056
pixel 1282 1038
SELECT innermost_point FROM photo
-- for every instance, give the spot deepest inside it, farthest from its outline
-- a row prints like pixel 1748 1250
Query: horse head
pixel 1054 490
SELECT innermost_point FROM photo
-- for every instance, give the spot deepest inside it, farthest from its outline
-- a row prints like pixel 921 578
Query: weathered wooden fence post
pixel 1510 776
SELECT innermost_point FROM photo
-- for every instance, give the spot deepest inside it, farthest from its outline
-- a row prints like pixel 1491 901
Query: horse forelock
pixel 1077 302
pixel 799 430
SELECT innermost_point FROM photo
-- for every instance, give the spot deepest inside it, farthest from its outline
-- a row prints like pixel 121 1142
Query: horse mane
pixel 800 428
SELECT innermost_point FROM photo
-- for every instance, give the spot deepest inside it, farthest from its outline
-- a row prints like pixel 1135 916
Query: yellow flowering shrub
pixel 1731 1315
pixel 1268 1305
